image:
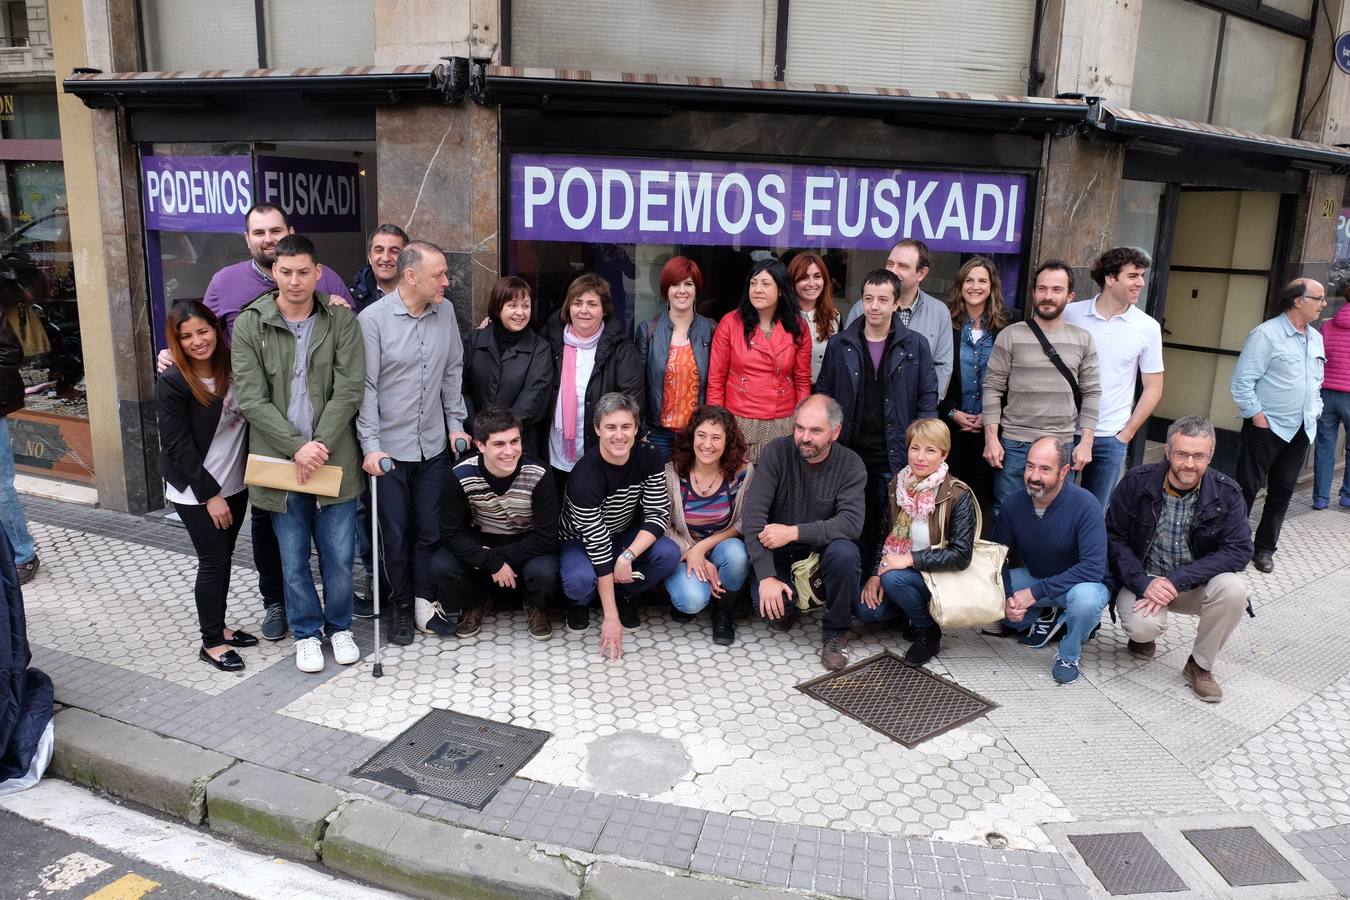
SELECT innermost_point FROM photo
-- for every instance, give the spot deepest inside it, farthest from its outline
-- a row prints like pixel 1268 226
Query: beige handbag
pixel 973 596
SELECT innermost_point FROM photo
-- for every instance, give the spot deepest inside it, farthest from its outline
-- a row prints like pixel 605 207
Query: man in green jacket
pixel 299 372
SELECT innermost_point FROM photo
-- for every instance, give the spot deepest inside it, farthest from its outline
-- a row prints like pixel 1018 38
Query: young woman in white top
pixel 204 445
pixel 815 294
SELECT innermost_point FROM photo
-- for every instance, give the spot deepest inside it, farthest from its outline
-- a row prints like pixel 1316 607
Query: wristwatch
pixel 628 555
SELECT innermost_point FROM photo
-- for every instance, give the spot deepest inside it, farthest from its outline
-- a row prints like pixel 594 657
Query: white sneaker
pixel 430 618
pixel 309 655
pixel 345 651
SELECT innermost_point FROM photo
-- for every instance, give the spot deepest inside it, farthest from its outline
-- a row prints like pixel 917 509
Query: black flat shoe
pixel 229 660
pixel 242 639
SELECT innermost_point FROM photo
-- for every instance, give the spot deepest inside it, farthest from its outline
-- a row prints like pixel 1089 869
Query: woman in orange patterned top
pixel 674 348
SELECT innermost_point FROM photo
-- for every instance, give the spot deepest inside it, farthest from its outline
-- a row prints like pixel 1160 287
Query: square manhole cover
pixel 1126 863
pixel 445 754
pixel 1242 856
pixel 906 704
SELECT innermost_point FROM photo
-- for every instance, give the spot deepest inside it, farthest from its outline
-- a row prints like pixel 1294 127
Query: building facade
pixel 544 139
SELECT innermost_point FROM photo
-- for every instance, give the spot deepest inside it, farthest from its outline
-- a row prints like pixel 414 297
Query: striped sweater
pixel 604 500
pixel 487 521
pixel 1039 401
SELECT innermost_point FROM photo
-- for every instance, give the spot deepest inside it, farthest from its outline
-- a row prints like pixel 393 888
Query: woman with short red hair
pixel 674 347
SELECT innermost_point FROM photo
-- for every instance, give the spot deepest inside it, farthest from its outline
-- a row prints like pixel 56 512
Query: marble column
pixel 102 179
pixel 438 164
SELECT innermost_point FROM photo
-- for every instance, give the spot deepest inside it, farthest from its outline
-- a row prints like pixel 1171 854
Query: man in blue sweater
pixel 1056 529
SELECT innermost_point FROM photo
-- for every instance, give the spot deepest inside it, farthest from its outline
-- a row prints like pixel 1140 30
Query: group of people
pixel 826 463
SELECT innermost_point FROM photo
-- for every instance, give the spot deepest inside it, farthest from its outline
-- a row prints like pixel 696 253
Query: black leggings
pixel 214 548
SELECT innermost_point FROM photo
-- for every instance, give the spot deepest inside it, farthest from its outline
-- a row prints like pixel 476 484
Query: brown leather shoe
pixel 1142 649
pixel 537 621
pixel 1202 682
pixel 1264 561
pixel 470 621
pixel 28 570
pixel 833 653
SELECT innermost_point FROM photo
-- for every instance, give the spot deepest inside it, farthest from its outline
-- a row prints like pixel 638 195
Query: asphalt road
pixel 41 862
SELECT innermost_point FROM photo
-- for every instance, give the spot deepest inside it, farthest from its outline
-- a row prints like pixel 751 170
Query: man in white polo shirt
pixel 1128 341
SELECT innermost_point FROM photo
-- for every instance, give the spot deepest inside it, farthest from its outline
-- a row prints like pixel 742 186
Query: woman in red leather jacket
pixel 760 367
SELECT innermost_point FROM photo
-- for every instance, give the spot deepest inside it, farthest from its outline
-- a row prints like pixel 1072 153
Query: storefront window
pixel 195 197
pixel 623 218
pixel 179 38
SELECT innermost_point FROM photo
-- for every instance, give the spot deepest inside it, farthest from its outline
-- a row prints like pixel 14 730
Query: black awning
pixel 1160 133
pixel 351 84
pixel 573 91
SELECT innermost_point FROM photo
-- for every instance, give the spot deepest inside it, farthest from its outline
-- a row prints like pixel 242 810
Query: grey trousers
pixel 1219 604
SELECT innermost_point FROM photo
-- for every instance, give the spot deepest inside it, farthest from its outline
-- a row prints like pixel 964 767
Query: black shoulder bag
pixel 1054 357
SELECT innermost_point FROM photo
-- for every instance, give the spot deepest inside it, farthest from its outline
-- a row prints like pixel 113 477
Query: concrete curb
pixel 282 812
pixel 389 847
pixel 379 844
pixel 153 770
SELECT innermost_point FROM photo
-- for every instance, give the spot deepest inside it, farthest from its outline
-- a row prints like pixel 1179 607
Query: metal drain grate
pixel 445 754
pixel 906 704
pixel 1242 856
pixel 1126 863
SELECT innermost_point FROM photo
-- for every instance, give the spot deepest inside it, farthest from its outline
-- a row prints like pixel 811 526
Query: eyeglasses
pixel 1189 457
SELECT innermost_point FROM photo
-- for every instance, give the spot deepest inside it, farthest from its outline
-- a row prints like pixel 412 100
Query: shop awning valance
pixel 576 90
pixel 373 84
pixel 1162 132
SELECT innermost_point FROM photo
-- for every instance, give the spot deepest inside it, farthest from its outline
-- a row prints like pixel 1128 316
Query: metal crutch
pixel 386 465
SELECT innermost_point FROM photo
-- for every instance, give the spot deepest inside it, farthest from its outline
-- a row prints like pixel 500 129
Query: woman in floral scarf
pixel 932 529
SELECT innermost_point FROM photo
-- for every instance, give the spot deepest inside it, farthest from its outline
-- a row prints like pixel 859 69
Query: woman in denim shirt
pixel 978 314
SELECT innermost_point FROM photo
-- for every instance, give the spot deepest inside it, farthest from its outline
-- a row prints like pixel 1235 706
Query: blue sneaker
pixel 1043 629
pixel 1345 502
pixel 1064 672
pixel 1320 504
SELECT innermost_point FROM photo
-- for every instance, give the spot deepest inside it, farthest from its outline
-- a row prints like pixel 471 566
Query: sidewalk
pixel 700 759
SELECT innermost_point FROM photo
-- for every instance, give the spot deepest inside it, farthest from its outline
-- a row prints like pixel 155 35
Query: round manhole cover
pixel 636 763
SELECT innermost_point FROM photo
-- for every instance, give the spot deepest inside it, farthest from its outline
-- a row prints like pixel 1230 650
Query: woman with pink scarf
pixel 592 357
pixel 932 529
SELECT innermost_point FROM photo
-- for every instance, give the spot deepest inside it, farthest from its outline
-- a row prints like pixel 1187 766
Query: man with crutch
pixel 412 402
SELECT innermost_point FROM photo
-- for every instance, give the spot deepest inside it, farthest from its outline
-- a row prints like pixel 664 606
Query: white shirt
pixel 817 345
pixel 225 457
pixel 559 460
pixel 918 535
pixel 1126 344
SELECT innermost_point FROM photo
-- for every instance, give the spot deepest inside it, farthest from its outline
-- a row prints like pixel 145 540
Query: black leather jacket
pixel 954 516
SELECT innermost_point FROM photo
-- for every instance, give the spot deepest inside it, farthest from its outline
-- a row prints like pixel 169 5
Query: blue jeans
pixel 903 591
pixel 1009 478
pixel 578 572
pixel 11 513
pixel 1101 476
pixel 1083 604
pixel 689 595
pixel 333 530
pixel 662 440
pixel 1335 413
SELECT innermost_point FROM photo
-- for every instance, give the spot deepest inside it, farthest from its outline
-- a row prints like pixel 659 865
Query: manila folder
pixel 271 472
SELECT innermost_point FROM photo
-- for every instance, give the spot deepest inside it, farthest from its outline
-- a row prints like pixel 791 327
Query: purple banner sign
pixel 316 195
pixel 645 201
pixel 196 193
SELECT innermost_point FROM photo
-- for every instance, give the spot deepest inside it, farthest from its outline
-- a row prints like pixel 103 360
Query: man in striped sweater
pixel 614 520
pixel 499 529
pixel 1041 400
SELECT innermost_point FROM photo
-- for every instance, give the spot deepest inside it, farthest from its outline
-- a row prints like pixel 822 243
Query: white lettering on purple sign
pixel 175 192
pixel 578 198
pixel 312 193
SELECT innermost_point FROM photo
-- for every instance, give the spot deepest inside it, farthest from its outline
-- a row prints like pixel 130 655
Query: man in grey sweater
pixel 807 497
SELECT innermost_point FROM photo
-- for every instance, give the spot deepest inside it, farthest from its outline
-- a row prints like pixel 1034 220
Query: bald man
pixel 1277 385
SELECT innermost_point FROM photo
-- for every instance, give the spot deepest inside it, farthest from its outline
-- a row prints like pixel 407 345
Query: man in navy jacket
pixel 1177 538
pixel 1056 528
pixel 882 375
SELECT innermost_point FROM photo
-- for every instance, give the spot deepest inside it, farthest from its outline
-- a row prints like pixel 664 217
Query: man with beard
pixel 807 497
pixel 1178 537
pixel 1048 370
pixel 1129 344
pixel 229 291
pixel 1055 528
